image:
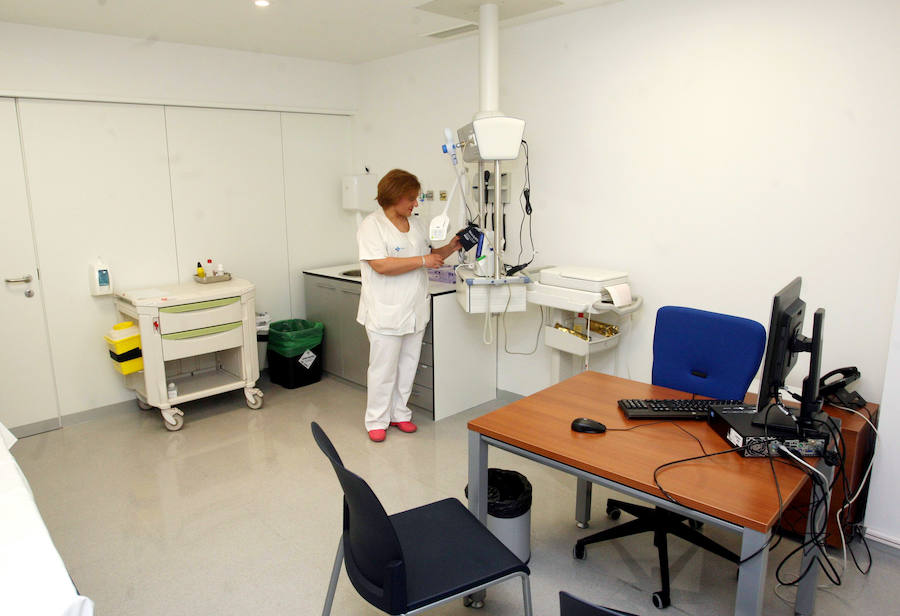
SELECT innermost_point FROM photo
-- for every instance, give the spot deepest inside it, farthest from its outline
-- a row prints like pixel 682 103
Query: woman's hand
pixel 433 260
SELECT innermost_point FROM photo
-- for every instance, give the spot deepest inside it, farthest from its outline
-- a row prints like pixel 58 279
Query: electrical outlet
pixel 443 195
pixel 429 195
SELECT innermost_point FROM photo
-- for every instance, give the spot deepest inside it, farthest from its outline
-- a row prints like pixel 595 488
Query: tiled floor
pixel 239 513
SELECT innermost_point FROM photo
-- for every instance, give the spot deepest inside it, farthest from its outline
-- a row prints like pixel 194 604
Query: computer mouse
pixel 583 424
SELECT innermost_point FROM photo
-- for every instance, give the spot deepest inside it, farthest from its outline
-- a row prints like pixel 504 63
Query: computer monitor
pixel 785 342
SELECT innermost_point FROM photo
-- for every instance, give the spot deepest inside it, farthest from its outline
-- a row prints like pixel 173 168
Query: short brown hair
pixel 395 185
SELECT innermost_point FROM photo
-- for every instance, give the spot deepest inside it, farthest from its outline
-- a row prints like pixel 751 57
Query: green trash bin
pixel 294 352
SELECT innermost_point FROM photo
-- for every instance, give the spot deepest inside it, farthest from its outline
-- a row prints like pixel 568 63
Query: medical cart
pixel 201 337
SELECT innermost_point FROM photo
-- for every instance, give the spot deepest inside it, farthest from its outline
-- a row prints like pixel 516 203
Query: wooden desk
pixel 730 491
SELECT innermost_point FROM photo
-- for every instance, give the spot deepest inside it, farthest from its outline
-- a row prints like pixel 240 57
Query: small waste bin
pixel 294 352
pixel 509 510
pixel 263 320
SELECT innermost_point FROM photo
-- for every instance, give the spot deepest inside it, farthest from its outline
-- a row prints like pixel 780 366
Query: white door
pixel 28 391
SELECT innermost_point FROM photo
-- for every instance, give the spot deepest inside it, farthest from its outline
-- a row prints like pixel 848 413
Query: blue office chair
pixel 573 606
pixel 703 353
pixel 412 561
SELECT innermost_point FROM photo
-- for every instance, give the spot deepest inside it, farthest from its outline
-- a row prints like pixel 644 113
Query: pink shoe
pixel 377 435
pixel 405 426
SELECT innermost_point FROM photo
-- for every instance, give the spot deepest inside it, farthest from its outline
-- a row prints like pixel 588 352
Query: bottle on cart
pixel 220 270
pixel 580 324
pixel 210 270
pixel 172 391
pixel 200 272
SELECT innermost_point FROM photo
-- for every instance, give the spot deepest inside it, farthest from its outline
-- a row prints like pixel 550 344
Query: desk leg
pixel 478 460
pixel 752 574
pixel 478 473
pixel 806 589
pixel 582 503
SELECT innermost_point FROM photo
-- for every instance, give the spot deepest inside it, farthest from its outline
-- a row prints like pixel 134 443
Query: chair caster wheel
pixel 582 525
pixel 578 552
pixel 468 601
pixel 661 600
pixel 613 514
pixel 695 524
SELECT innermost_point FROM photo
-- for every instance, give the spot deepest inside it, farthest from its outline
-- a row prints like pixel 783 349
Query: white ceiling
pixel 349 31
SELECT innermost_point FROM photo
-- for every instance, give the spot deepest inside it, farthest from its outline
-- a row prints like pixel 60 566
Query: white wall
pixel 713 149
pixel 152 193
pixel 151 190
pixel 882 521
pixel 50 63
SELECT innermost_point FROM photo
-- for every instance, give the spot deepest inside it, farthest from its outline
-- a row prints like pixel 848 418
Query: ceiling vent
pixel 451 32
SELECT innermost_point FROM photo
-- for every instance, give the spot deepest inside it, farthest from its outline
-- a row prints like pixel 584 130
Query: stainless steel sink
pixel 355 273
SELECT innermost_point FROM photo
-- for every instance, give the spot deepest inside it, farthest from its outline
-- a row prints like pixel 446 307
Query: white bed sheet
pixel 33 579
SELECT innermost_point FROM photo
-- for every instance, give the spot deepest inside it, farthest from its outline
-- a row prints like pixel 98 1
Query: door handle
pixel 25 278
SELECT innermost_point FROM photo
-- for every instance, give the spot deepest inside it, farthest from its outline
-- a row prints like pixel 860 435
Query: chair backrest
pixel 706 353
pixel 372 553
pixel 573 606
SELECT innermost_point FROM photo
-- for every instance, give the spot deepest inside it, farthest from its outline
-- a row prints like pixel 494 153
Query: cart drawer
pixel 422 397
pixel 425 375
pixel 200 314
pixel 200 341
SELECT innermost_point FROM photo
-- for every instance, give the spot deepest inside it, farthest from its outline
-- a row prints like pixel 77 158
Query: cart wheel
pixel 176 415
pixel 613 513
pixel 467 601
pixel 255 403
pixel 254 397
pixel 143 405
pixel 578 552
pixel 695 524
pixel 661 600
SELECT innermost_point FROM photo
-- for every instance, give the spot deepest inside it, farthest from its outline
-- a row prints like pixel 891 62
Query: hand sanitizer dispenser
pixel 101 279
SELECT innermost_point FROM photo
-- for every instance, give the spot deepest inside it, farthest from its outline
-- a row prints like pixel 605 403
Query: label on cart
pixel 306 360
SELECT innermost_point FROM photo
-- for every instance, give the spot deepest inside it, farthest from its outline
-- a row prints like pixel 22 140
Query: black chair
pixel 573 606
pixel 411 561
pixel 706 353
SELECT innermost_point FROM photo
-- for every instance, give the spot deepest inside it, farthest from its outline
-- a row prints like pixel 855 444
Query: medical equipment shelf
pixel 565 341
pixel 200 337
pixel 563 301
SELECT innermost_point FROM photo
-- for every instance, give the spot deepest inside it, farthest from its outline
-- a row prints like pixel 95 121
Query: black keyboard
pixel 670 409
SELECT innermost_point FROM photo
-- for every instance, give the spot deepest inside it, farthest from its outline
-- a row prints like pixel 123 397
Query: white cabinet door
pixel 28 394
pixel 228 198
pixel 99 185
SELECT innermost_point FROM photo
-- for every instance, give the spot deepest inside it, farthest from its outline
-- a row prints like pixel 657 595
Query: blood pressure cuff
pixel 468 237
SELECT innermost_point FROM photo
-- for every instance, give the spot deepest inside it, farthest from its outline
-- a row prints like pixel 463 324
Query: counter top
pixel 338 272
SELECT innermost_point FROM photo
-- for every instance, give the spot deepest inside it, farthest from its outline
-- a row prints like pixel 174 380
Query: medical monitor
pixel 785 342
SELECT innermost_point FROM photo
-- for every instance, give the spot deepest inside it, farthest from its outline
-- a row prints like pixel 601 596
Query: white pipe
pixel 489 55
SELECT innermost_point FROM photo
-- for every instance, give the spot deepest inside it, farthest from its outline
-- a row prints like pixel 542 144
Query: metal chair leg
pixel 335 573
pixel 526 594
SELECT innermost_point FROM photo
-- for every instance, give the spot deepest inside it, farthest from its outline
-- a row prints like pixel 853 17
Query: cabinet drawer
pixel 427 355
pixel 425 376
pixel 422 397
pixel 206 340
pixel 201 314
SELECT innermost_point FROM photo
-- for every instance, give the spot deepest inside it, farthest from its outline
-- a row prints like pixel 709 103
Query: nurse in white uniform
pixel 394 252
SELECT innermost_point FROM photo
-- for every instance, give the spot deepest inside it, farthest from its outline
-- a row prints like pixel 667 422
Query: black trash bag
pixel 509 493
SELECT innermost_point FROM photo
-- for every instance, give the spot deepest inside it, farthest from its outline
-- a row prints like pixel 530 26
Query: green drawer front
pixel 213 303
pixel 203 331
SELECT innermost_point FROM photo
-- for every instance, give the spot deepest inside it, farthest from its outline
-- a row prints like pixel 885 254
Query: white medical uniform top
pixel 393 305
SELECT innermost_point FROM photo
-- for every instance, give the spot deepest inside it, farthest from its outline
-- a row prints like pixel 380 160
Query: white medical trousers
pixel 392 368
